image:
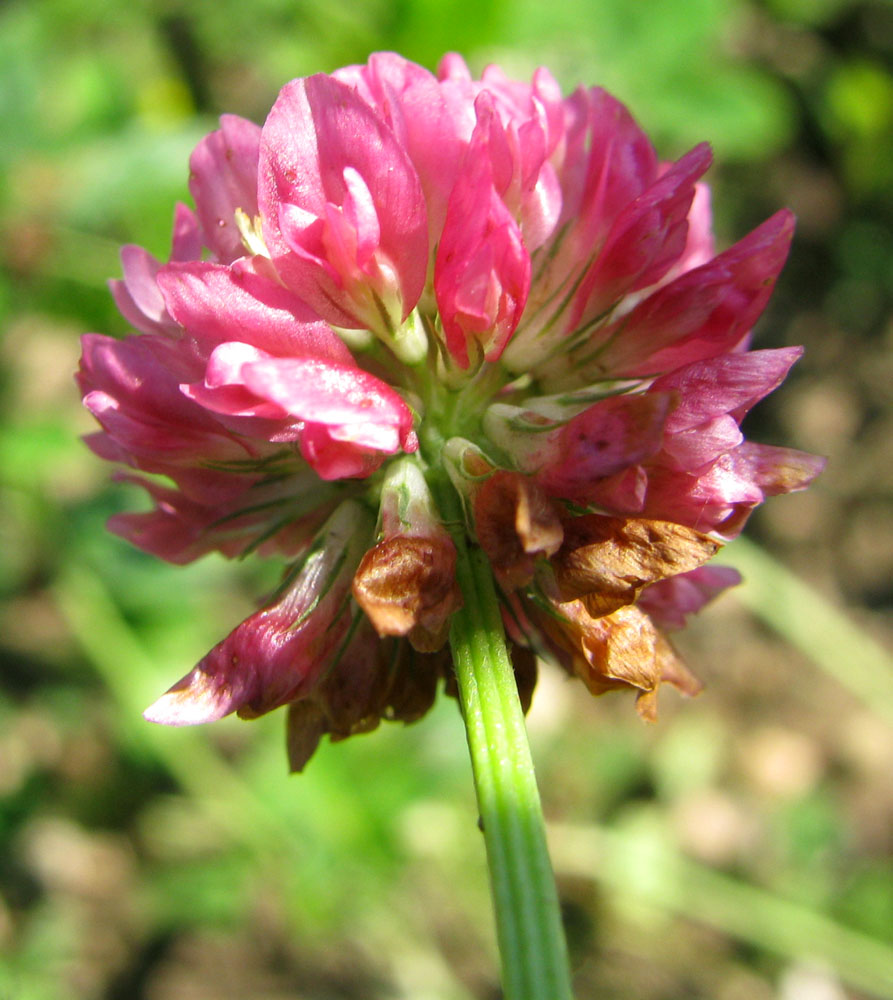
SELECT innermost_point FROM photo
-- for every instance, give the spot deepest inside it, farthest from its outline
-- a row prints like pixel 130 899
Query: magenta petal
pixel 332 459
pixel 453 67
pixel 223 178
pixel 186 242
pixel 277 654
pixel 700 245
pixel 669 602
pixel 359 210
pixel 368 411
pixel 482 270
pixel 623 492
pixel 720 498
pixel 140 271
pixel 237 401
pixel 202 696
pixel 226 361
pixel 648 237
pixel 606 439
pixel 432 121
pixel 264 663
pixel 609 162
pixel 382 83
pixel 728 384
pixel 215 510
pixel 439 122
pixel 318 129
pixel 223 390
pixel 776 470
pixel 700 445
pixel 132 387
pixel 287 399
pixel 176 530
pixel 216 304
pixel 704 312
pixel 138 298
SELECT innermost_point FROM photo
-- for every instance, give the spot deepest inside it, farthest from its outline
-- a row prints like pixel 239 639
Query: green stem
pixel 528 921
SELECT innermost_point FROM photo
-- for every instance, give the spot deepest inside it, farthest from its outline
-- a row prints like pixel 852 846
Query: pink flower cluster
pixel 403 272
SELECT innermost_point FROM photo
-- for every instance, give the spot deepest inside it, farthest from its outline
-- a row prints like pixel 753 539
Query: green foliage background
pixel 739 849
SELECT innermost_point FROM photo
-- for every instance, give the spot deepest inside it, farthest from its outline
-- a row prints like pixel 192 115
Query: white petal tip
pixel 190 707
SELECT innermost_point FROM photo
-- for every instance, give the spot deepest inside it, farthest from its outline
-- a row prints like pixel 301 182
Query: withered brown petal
pixel 620 650
pixel 305 727
pixel 515 522
pixel 409 581
pixel 353 690
pixel 607 560
pixel 674 671
pixel 526 669
pixel 413 682
pixel 671 670
pixel 426 641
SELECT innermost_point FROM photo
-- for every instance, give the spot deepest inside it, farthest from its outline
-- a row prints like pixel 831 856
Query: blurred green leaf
pixel 811 12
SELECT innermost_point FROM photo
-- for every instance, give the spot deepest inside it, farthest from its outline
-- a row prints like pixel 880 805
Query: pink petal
pixel 669 602
pixel 176 530
pixel 383 83
pixel 453 67
pixel 647 238
pixel 225 513
pixel 728 384
pixel 482 270
pixel 706 311
pixel 776 470
pixel 744 477
pixel 226 361
pixel 332 459
pixel 366 411
pixel 132 387
pixel 700 445
pixel 439 122
pixel 608 163
pixel 277 654
pixel 223 178
pixel 359 212
pixel 609 437
pixel 138 298
pixel 186 242
pixel 223 390
pixel 216 304
pixel 432 120
pixel 318 129
pixel 720 498
pixel 624 492
pixel 700 246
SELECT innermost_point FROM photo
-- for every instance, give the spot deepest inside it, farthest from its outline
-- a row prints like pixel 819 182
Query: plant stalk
pixel 531 940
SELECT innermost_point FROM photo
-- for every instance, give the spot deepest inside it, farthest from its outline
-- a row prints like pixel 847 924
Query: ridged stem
pixel 528 921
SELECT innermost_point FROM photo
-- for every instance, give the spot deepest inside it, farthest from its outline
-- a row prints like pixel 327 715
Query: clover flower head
pixel 403 276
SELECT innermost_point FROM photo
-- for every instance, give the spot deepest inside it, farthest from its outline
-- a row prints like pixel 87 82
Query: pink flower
pixel 342 206
pixel 402 272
